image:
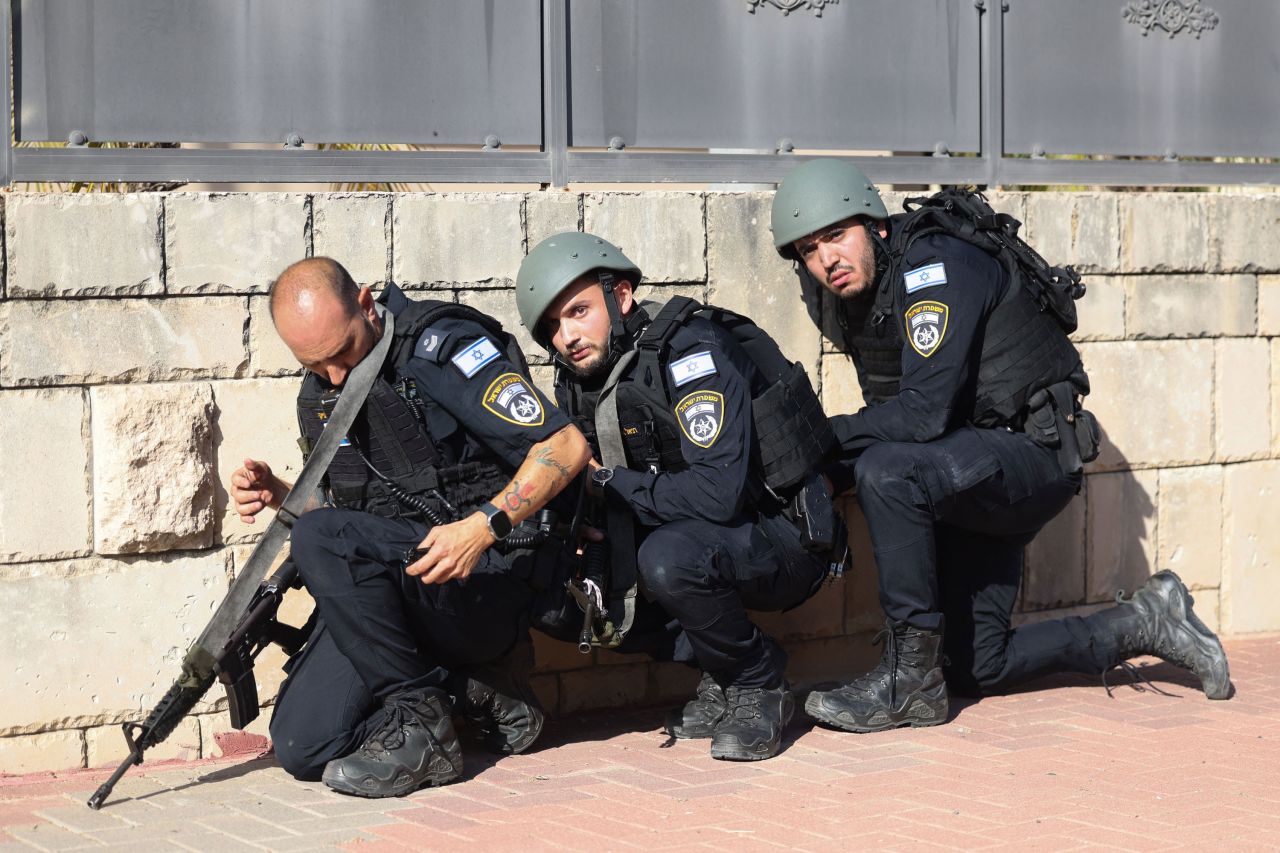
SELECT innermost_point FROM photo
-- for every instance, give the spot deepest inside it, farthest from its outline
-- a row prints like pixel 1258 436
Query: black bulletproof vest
pixel 390 434
pixel 875 347
pixel 1024 348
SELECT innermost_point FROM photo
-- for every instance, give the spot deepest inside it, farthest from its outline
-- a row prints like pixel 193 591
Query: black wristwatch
pixel 499 521
pixel 601 476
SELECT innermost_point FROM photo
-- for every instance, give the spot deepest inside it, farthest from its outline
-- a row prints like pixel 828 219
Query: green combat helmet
pixel 558 262
pixel 815 195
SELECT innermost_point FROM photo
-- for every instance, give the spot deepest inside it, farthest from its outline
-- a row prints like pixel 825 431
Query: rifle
pixel 588 587
pixel 256 630
pixel 245 622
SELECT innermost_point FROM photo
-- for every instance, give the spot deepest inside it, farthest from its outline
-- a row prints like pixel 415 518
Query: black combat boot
pixel 751 728
pixel 905 689
pixel 1158 620
pixel 698 717
pixel 415 746
pixel 497 698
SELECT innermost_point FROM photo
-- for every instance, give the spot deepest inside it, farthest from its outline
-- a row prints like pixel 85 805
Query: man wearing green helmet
pixel 687 513
pixel 970 443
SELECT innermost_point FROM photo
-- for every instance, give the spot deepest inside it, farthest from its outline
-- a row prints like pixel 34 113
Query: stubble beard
pixel 866 265
pixel 593 365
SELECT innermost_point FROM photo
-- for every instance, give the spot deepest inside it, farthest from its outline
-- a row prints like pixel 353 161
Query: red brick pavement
pixel 1060 766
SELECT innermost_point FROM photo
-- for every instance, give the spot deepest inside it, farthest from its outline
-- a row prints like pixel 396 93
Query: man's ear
pixel 366 301
pixel 624 294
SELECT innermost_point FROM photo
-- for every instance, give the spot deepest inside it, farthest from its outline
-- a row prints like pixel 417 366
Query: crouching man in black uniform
pixel 670 416
pixel 418 576
pixel 971 442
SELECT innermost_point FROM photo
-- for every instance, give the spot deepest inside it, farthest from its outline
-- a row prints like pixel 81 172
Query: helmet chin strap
pixel 617 326
pixel 884 268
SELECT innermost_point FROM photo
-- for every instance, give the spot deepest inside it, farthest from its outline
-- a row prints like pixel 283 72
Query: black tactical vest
pixel 390 434
pixel 874 345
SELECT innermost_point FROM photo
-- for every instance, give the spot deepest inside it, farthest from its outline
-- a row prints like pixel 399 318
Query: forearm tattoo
pixel 545 456
pixel 518 496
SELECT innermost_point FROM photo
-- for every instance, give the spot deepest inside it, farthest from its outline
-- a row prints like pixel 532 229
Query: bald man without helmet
pixel 416 553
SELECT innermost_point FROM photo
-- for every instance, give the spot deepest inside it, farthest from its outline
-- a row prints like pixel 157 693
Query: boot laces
pixel 744 702
pixel 1135 675
pixel 1151 636
pixel 390 734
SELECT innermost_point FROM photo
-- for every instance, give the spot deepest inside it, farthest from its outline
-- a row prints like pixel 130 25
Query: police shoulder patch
pixel 510 398
pixel 471 358
pixel 926 325
pixel 692 367
pixel 927 276
pixel 431 344
pixel 701 415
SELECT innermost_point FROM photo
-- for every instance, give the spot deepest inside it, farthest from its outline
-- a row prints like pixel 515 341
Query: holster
pixel 1056 420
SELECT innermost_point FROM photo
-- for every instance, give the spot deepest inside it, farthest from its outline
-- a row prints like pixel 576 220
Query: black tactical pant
pixel 381 631
pixel 949 520
pixel 706 576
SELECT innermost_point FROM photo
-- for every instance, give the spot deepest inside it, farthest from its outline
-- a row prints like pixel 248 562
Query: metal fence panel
pixel 424 71
pixel 899 75
pixel 1143 77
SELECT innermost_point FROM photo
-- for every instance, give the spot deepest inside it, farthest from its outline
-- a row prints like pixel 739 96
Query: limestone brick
pixel 1269 305
pixel 1077 229
pixel 232 242
pixel 1242 408
pixel 1164 232
pixel 105 746
pixel 1122 532
pixel 1275 395
pixel 1251 547
pixel 1189 508
pixel 841 392
pixel 1055 561
pixel 746 275
pixel 556 656
pixel 47 751
pixel 65 619
pixel 820 616
pixel 662 232
pixel 620 686
pixel 457 237
pixel 268 354
pixel 544 376
pixel 1101 310
pixel 256 419
pixel 672 684
pixel 45 446
pixel 1190 306
pixel 1152 400
pixel 153 467
pixel 501 305
pixel 1246 231
pixel 355 230
pixel 81 244
pixel 830 659
pixel 89 341
pixel 550 212
pixel 547 688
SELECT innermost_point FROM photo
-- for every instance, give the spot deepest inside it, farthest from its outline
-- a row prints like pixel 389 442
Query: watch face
pixel 499 524
pixel 602 476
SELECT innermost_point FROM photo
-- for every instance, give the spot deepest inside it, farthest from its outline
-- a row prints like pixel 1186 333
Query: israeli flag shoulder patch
pixel 692 367
pixel 475 356
pixel 930 276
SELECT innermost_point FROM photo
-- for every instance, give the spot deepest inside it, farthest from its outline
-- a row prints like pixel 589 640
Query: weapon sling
pixel 200 667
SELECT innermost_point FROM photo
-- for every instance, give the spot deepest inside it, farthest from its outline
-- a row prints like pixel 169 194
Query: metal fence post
pixel 555 87
pixel 993 103
pixel 6 107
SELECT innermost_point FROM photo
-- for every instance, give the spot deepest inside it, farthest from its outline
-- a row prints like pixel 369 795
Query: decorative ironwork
pixel 789 6
pixel 1172 16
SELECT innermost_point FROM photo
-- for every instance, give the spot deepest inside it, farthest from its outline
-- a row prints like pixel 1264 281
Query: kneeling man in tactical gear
pixel 972 440
pixel 417 560
pixel 670 417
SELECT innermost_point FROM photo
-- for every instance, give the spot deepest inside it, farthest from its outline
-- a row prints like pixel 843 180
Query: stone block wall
pixel 139 367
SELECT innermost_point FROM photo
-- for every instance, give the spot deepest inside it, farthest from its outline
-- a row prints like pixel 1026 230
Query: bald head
pixel 305 285
pixel 325 319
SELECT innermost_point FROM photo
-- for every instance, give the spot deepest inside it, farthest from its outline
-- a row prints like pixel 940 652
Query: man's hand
pixel 254 488
pixel 453 550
